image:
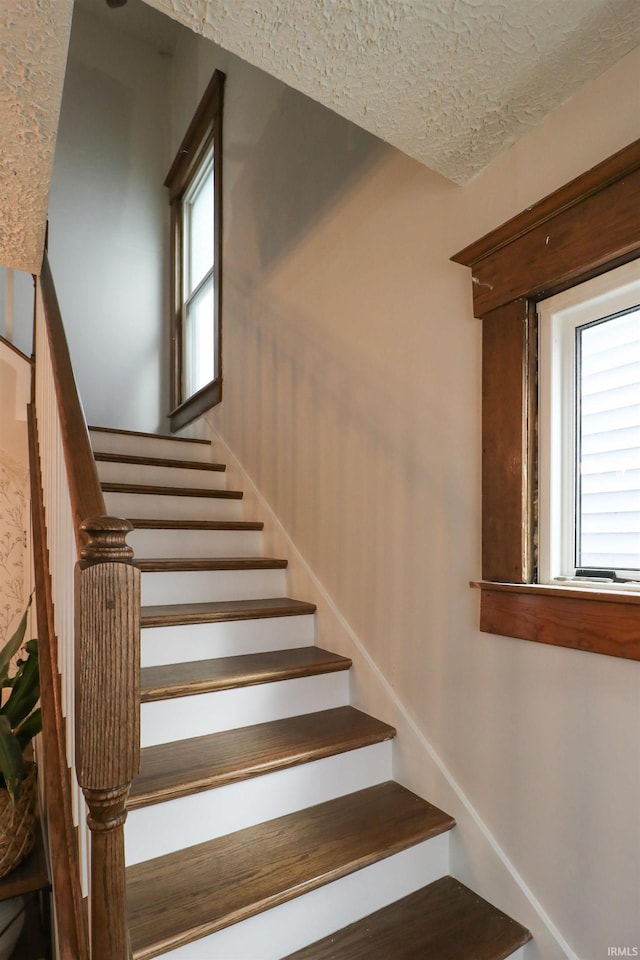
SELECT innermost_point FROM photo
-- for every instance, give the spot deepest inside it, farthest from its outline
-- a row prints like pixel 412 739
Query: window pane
pixel 199 347
pixel 609 430
pixel 200 230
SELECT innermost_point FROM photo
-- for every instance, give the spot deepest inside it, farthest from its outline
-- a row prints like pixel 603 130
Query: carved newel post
pixel 107 716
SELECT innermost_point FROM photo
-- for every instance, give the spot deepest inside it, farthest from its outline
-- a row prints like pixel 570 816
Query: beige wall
pixel 352 398
pixel 15 571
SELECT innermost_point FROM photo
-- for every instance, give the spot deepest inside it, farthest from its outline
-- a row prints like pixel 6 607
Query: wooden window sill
pixel 583 618
pixel 196 405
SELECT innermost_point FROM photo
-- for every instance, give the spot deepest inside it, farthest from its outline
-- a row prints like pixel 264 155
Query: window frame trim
pixel 561 319
pixel 204 131
pixel 585 228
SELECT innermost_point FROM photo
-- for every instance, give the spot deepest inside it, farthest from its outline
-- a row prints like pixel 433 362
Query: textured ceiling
pixel 450 82
pixel 34 37
pixel 453 83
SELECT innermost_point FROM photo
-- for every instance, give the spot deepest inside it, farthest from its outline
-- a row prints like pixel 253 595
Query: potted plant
pixel 20 722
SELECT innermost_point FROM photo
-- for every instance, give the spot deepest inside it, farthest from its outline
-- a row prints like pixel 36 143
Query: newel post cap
pixel 106 540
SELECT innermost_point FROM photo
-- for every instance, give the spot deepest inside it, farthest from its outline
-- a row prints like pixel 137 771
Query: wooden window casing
pixel 204 130
pixel 585 228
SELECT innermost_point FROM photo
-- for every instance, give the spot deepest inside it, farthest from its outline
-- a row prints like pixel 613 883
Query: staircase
pixel 265 822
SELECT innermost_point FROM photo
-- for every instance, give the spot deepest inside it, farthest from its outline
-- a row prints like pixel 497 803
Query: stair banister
pixel 85 493
pixel 96 598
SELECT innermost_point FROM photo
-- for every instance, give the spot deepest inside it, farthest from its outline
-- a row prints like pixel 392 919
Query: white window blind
pixel 608 483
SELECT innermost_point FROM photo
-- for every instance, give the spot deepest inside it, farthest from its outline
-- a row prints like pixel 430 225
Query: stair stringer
pixel 476 857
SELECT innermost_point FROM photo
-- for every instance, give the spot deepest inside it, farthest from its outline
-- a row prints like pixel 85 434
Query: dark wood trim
pixel 199 133
pixel 595 622
pixel 144 523
pixel 581 242
pixel 596 179
pixel 204 130
pixel 587 227
pixel 154 565
pixel 160 462
pixel 69 908
pixel 152 489
pixel 507 496
pixel 592 593
pixel 198 404
pixel 84 484
pixel 154 436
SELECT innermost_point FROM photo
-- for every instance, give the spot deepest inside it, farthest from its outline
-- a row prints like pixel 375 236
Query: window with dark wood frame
pixel 582 230
pixel 203 135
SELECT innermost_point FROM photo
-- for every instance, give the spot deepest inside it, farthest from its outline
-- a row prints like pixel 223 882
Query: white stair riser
pixel 161 507
pixel 230 638
pixel 156 830
pixel 163 721
pixel 196 543
pixel 167 449
pixel 278 932
pixel 162 476
pixel 193 586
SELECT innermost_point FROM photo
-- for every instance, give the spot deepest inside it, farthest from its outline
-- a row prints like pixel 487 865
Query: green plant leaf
pixel 24 694
pixel 12 646
pixel 11 760
pixel 29 728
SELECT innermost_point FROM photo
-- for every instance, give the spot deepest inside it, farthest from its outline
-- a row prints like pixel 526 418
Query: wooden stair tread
pixel 144 523
pixel 153 436
pixel 215 611
pixel 175 899
pixel 150 489
pixel 444 921
pixel 224 673
pixel 151 565
pixel 171 770
pixel 158 462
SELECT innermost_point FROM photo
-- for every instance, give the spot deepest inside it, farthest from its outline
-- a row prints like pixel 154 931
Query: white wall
pixel 16 308
pixel 109 223
pixel 352 397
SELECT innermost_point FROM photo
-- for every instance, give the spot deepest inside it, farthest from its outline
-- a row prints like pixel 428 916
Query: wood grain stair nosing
pixel 151 436
pixel 444 919
pixel 221 611
pixel 145 523
pixel 158 462
pixel 193 893
pixel 256 750
pixel 151 490
pixel 195 677
pixel 161 565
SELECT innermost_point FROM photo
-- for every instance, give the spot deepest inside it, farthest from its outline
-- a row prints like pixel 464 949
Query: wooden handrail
pixel 84 485
pixel 106 654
